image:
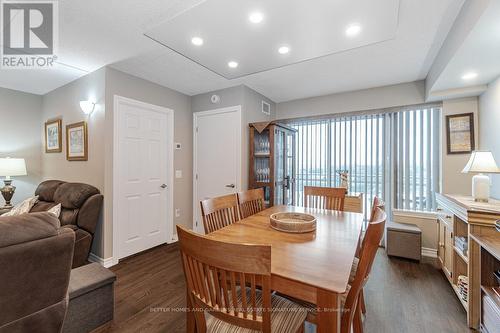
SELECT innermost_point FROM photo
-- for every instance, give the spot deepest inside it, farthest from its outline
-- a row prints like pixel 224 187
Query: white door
pixel 143 176
pixel 217 156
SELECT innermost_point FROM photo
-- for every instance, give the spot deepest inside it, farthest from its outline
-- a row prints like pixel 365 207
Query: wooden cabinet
pixel 272 162
pixel 460 219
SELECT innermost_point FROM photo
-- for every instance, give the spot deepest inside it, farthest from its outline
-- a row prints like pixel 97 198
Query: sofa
pixel 81 208
pixel 35 259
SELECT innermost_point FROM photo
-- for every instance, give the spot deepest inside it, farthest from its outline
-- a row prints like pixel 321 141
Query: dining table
pixel 312 267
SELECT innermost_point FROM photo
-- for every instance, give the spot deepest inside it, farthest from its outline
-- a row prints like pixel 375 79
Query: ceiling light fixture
pixel 256 17
pixel 232 64
pixel 284 50
pixel 197 41
pixel 469 76
pixel 353 30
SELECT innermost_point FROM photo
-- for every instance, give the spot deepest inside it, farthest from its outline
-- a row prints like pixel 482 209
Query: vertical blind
pixel 393 155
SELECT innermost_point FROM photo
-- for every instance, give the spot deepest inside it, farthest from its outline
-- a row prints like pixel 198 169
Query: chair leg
pixel 362 302
pixel 358 321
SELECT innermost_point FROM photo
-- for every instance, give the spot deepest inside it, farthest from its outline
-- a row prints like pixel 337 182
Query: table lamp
pixel 481 162
pixel 10 167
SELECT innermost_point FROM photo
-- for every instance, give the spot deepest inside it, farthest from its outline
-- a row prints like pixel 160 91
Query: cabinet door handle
pixel 230 186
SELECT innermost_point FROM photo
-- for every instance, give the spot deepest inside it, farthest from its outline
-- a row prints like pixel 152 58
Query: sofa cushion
pixel 47 189
pixel 73 195
pixel 26 228
pixel 42 206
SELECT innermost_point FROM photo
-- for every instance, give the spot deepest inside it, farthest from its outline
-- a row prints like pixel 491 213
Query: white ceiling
pixel 309 31
pixel 479 53
pixel 95 33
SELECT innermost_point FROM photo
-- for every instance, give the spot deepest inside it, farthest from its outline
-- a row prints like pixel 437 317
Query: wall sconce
pixel 87 107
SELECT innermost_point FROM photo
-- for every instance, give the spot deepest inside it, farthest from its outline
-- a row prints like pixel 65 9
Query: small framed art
pixel 53 136
pixel 460 133
pixel 77 142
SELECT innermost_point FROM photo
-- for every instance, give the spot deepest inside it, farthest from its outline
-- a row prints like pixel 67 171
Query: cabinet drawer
pixel 490 315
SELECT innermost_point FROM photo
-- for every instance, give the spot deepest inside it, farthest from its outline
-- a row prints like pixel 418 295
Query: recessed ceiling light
pixel 232 64
pixel 469 76
pixel 353 30
pixel 284 50
pixel 197 41
pixel 256 17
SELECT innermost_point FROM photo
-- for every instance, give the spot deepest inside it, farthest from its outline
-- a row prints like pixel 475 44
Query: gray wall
pixel 64 103
pixel 453 181
pixel 489 121
pixel 119 83
pixel 21 124
pixel 251 109
pixel 360 100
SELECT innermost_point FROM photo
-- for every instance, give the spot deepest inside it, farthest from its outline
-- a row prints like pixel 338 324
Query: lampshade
pixel 481 161
pixel 12 167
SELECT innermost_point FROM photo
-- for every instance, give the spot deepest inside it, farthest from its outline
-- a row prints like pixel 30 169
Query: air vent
pixel 266 108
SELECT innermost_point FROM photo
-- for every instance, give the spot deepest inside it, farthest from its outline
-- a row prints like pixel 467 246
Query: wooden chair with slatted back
pixel 219 212
pixel 377 203
pixel 351 316
pixel 222 280
pixel 351 302
pixel 251 202
pixel 324 197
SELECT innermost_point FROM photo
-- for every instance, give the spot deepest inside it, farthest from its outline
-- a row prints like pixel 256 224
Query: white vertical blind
pixel 391 155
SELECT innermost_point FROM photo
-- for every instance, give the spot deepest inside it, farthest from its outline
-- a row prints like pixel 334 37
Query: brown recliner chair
pixel 35 267
pixel 81 207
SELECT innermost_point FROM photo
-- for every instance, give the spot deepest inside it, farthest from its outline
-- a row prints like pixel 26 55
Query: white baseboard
pixel 109 262
pixel 427 252
pixel 174 239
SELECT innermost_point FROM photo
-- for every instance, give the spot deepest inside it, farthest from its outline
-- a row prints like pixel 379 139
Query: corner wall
pixel 251 111
pixel 453 181
pixel 489 121
pixel 21 121
pixel 64 103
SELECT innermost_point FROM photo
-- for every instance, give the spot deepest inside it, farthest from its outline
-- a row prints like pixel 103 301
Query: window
pixel 394 155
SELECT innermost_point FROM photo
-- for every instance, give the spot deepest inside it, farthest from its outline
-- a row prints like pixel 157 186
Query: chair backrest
pixel 324 197
pixel 219 212
pixel 251 202
pixel 216 273
pixel 377 203
pixel 373 236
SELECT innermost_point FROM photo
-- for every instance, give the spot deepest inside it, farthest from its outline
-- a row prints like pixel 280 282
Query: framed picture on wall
pixel 460 133
pixel 53 136
pixel 77 142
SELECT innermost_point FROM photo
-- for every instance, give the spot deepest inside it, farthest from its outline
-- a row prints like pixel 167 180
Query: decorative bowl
pixel 293 222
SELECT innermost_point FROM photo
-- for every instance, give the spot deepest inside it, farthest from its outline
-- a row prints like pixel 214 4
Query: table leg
pixel 190 319
pixel 328 312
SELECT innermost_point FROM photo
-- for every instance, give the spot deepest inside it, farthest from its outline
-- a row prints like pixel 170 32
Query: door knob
pixel 163 186
pixel 231 186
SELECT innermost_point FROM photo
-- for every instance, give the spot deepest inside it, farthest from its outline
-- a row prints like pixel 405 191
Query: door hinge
pixel 196 176
pixel 196 129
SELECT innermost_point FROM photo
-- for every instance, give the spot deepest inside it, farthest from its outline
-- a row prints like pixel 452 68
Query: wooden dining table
pixel 312 267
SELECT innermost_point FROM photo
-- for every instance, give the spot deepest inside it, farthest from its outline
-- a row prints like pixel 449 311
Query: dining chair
pixel 324 197
pixel 219 212
pixel 251 202
pixel 222 280
pixel 351 317
pixel 377 203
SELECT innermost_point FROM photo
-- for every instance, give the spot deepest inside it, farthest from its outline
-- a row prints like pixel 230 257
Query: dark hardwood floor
pixel 401 296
